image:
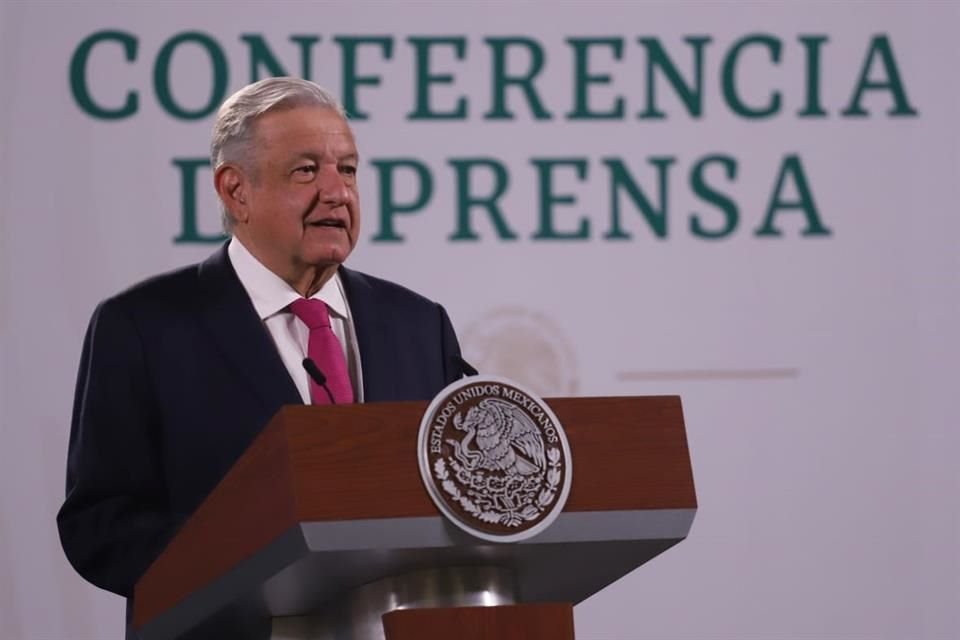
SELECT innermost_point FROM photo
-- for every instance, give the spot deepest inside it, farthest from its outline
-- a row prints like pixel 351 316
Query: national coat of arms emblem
pixel 494 459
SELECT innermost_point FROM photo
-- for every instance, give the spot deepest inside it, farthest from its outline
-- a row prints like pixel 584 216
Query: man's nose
pixel 332 187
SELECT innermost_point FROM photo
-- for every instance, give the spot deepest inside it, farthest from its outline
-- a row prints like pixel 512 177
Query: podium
pixel 323 528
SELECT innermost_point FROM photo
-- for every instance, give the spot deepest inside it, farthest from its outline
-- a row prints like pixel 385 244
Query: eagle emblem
pixel 494 459
pixel 506 439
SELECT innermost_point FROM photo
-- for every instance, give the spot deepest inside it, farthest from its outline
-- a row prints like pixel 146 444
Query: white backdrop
pixel 818 372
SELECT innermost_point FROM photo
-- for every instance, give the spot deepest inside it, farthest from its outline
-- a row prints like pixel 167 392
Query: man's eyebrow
pixel 315 157
pixel 304 155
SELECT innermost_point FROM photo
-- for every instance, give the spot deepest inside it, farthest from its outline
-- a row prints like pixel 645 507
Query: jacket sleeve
pixel 115 518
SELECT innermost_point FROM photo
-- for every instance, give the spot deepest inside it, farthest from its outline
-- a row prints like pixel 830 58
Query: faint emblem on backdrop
pixel 525 346
pixel 494 459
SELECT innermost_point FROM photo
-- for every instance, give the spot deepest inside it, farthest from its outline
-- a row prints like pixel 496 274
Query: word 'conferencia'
pixel 590 79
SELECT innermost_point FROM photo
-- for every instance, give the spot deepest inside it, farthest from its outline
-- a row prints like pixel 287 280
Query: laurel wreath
pixel 511 518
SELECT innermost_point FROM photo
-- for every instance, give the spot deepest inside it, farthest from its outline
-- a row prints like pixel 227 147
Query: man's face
pixel 303 208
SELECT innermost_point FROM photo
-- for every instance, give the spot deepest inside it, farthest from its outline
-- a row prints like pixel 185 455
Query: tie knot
pixel 313 313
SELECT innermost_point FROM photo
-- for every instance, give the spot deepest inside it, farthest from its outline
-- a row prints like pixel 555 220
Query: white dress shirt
pixel 271 296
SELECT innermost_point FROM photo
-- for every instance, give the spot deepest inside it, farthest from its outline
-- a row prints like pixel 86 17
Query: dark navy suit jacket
pixel 177 377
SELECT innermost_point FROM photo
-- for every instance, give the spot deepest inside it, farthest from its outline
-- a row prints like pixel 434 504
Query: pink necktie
pixel 325 351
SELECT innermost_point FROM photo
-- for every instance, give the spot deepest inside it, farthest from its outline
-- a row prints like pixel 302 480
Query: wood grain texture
pixel 527 621
pixel 628 453
pixel 360 461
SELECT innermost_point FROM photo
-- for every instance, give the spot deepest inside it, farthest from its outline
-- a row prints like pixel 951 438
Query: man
pixel 181 372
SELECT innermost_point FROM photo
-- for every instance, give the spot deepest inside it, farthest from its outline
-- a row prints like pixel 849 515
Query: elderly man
pixel 180 373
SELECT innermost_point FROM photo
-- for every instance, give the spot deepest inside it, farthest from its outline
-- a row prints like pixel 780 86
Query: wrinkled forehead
pixel 304 130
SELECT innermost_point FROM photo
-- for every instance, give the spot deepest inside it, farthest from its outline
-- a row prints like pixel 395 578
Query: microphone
pixel 314 372
pixel 466 369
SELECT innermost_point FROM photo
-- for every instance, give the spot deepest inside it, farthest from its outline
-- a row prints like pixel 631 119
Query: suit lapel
pixel 239 333
pixel 372 336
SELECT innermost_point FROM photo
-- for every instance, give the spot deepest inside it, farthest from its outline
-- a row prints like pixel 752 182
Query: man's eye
pixel 350 170
pixel 307 169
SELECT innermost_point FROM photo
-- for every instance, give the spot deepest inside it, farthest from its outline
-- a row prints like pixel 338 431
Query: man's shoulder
pixel 164 288
pixel 162 300
pixel 172 289
pixel 383 291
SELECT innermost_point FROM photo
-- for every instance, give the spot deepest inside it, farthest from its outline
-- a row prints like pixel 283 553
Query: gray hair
pixel 232 139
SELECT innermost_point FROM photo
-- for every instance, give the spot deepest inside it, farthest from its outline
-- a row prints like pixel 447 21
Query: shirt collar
pixel 269 293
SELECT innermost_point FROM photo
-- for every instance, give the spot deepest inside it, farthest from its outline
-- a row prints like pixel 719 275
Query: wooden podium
pixel 323 525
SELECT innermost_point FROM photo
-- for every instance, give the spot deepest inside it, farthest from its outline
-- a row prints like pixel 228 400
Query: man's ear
pixel 232 186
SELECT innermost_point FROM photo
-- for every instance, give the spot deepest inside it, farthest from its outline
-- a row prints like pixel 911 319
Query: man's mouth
pixel 336 224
